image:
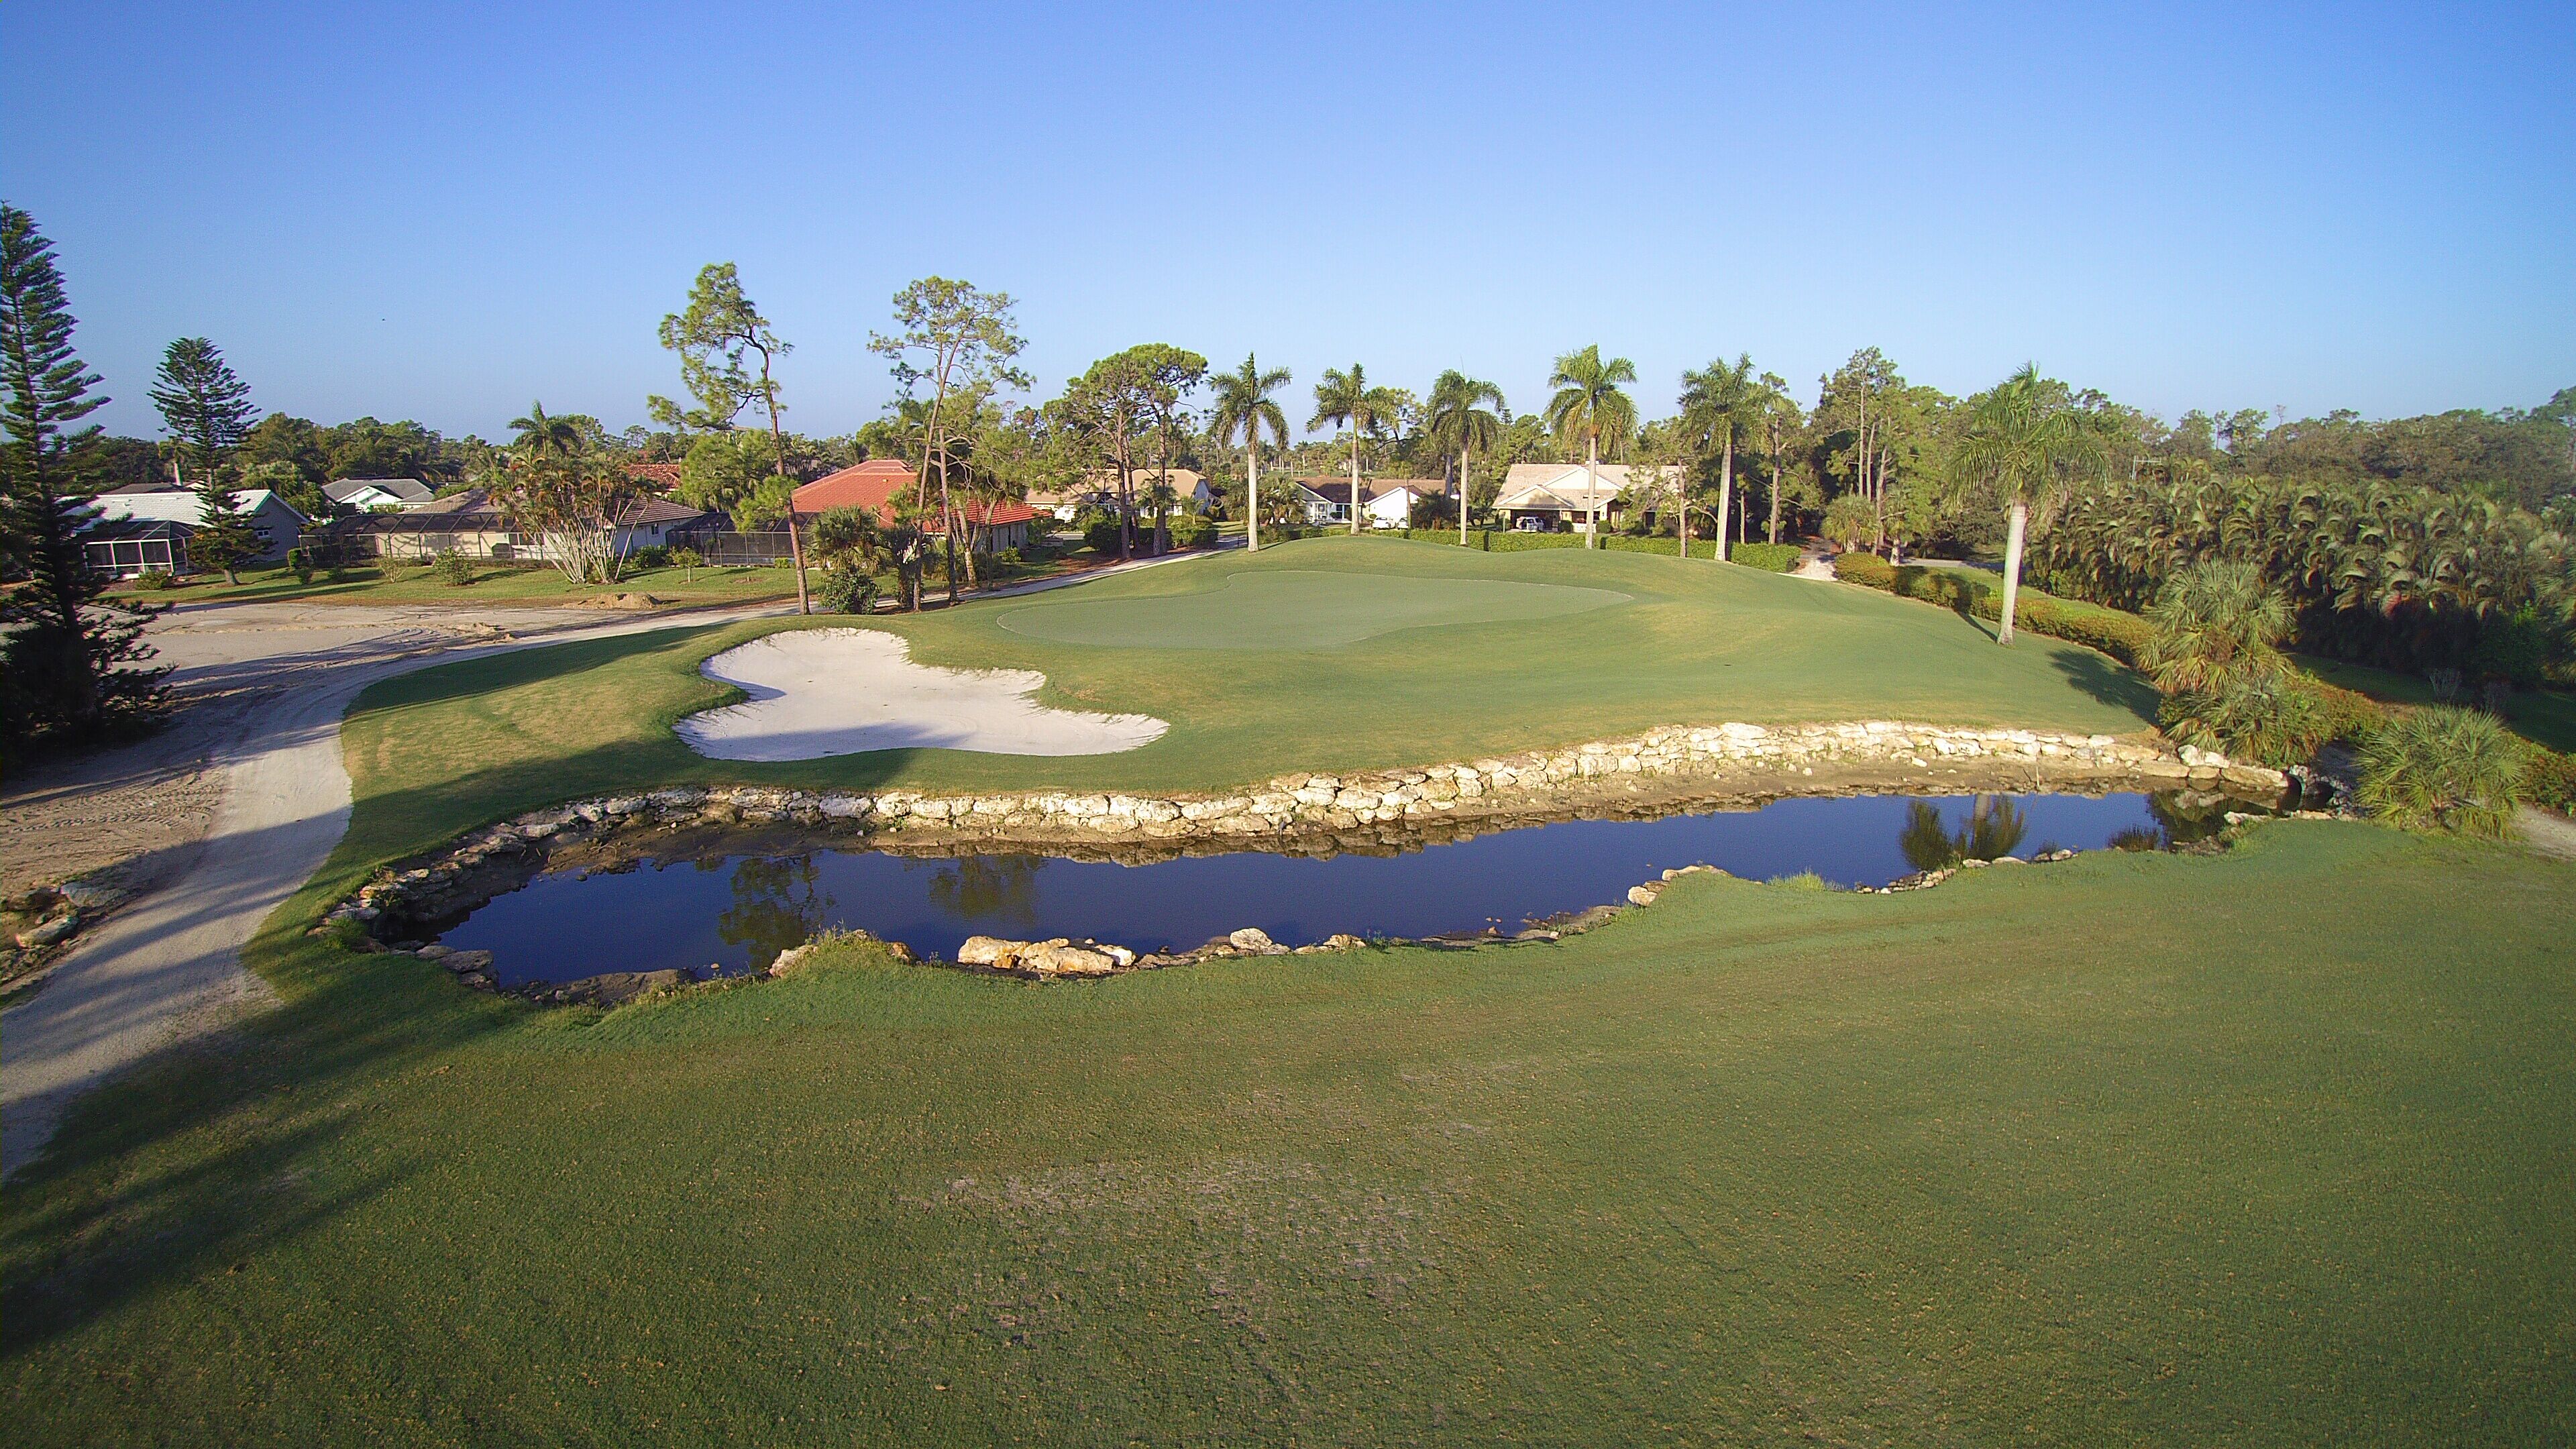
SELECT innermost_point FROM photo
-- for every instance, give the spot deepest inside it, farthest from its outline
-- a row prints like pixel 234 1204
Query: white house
pixel 369 494
pixel 470 523
pixel 1391 500
pixel 277 520
pixel 1557 497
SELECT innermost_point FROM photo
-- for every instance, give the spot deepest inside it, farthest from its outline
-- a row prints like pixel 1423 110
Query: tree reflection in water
pixel 989 887
pixel 777 905
pixel 1995 827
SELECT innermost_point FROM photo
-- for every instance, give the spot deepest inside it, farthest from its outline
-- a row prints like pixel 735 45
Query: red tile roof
pixel 873 485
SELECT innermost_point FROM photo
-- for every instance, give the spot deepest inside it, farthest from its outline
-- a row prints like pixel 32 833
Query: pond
pixel 731 914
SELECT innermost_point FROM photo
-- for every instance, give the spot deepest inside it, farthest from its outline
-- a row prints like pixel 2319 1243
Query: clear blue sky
pixel 442 211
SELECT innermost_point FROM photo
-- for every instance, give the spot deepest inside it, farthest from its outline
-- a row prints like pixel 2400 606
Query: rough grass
pixel 2265 1148
pixel 2543 716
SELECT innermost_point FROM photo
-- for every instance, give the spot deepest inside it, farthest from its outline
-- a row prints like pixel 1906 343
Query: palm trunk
pixel 1725 493
pixel 1592 497
pixel 1355 480
pixel 1681 508
pixel 1252 490
pixel 1462 497
pixel 2012 568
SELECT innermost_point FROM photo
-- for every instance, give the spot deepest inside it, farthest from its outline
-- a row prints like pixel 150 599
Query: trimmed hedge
pixel 2122 636
pixel 1778 558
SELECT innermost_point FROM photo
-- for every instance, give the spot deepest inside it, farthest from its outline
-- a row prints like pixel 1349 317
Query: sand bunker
pixel 817 692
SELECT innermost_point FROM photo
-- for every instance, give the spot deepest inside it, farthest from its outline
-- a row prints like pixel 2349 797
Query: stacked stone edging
pixel 1756 759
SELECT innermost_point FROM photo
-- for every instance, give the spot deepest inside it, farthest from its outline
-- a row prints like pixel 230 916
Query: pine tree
pixel 208 412
pixel 69 649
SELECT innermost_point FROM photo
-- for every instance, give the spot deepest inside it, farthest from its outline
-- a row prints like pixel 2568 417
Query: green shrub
pixel 843 590
pixel 2549 780
pixel 1865 569
pixel 299 562
pixel 1191 530
pixel 651 556
pixel 1101 534
pixel 2441 767
pixel 1778 558
pixel 154 580
pixel 2515 649
pixel 454 570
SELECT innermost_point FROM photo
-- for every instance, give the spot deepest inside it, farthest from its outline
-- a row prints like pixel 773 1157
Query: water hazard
pixel 731 914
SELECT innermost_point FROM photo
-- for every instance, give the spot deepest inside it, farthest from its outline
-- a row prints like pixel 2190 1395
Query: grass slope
pixel 447 748
pixel 2269 1148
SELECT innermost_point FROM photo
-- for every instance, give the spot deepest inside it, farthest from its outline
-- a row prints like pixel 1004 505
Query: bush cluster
pixel 154 580
pixel 1778 558
pixel 2122 636
pixel 845 590
pixel 454 570
pixel 2441 767
pixel 2549 780
pixel 1191 530
pixel 651 556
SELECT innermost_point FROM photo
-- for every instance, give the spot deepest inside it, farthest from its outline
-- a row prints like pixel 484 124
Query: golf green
pixel 1299 609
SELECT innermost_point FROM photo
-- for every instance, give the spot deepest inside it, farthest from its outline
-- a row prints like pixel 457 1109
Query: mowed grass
pixel 2270 1148
pixel 1692 642
pixel 493 585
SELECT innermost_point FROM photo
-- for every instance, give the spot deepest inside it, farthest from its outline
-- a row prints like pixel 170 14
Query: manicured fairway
pixel 2271 1147
pixel 2266 1149
pixel 1272 608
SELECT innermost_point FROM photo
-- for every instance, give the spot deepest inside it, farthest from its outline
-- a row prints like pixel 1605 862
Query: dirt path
pixel 2551 835
pixel 226 813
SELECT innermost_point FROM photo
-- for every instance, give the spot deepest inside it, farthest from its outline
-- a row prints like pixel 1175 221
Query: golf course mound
pixel 819 692
pixel 1299 609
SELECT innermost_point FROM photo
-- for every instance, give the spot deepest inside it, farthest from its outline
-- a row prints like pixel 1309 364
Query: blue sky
pixel 442 211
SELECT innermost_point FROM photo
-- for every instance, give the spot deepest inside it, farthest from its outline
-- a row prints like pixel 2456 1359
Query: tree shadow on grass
pixel 2110 683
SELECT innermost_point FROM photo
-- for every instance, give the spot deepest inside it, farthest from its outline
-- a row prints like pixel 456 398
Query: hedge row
pixel 1778 558
pixel 2122 636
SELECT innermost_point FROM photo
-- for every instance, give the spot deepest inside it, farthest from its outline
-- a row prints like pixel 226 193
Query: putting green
pixel 1299 609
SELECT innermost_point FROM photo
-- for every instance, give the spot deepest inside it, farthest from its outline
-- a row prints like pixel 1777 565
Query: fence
pixel 724 548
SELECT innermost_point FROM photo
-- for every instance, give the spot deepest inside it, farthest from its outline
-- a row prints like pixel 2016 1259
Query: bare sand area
pixel 818 692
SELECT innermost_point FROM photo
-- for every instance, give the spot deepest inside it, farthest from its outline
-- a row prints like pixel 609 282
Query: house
pixel 122 548
pixel 279 524
pixel 366 495
pixel 1188 484
pixel 471 524
pixel 1391 501
pixel 1387 503
pixel 1066 504
pixel 874 485
pixel 1559 497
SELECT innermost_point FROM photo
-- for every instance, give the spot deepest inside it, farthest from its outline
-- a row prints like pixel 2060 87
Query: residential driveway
pixel 213 823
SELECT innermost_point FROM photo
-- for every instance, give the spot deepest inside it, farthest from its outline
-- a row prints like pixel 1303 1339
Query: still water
pixel 734 913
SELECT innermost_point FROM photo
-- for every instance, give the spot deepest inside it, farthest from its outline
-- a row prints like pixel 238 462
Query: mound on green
pixel 1298 609
pixel 2266 1148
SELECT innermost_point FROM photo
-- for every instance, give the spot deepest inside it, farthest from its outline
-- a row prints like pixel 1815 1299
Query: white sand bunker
pixel 817 692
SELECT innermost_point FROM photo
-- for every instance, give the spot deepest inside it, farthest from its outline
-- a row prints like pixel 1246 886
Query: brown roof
pixel 473 511
pixel 873 485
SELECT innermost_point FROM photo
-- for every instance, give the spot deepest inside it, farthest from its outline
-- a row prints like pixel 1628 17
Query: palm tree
pixel 1588 404
pixel 541 436
pixel 2021 435
pixel 1781 419
pixel 1458 425
pixel 1346 398
pixel 1720 402
pixel 1243 406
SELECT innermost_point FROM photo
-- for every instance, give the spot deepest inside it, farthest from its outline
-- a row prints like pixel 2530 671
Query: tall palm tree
pixel 1781 419
pixel 1587 405
pixel 1346 398
pixel 1243 406
pixel 2021 436
pixel 543 436
pixel 1719 403
pixel 1458 424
